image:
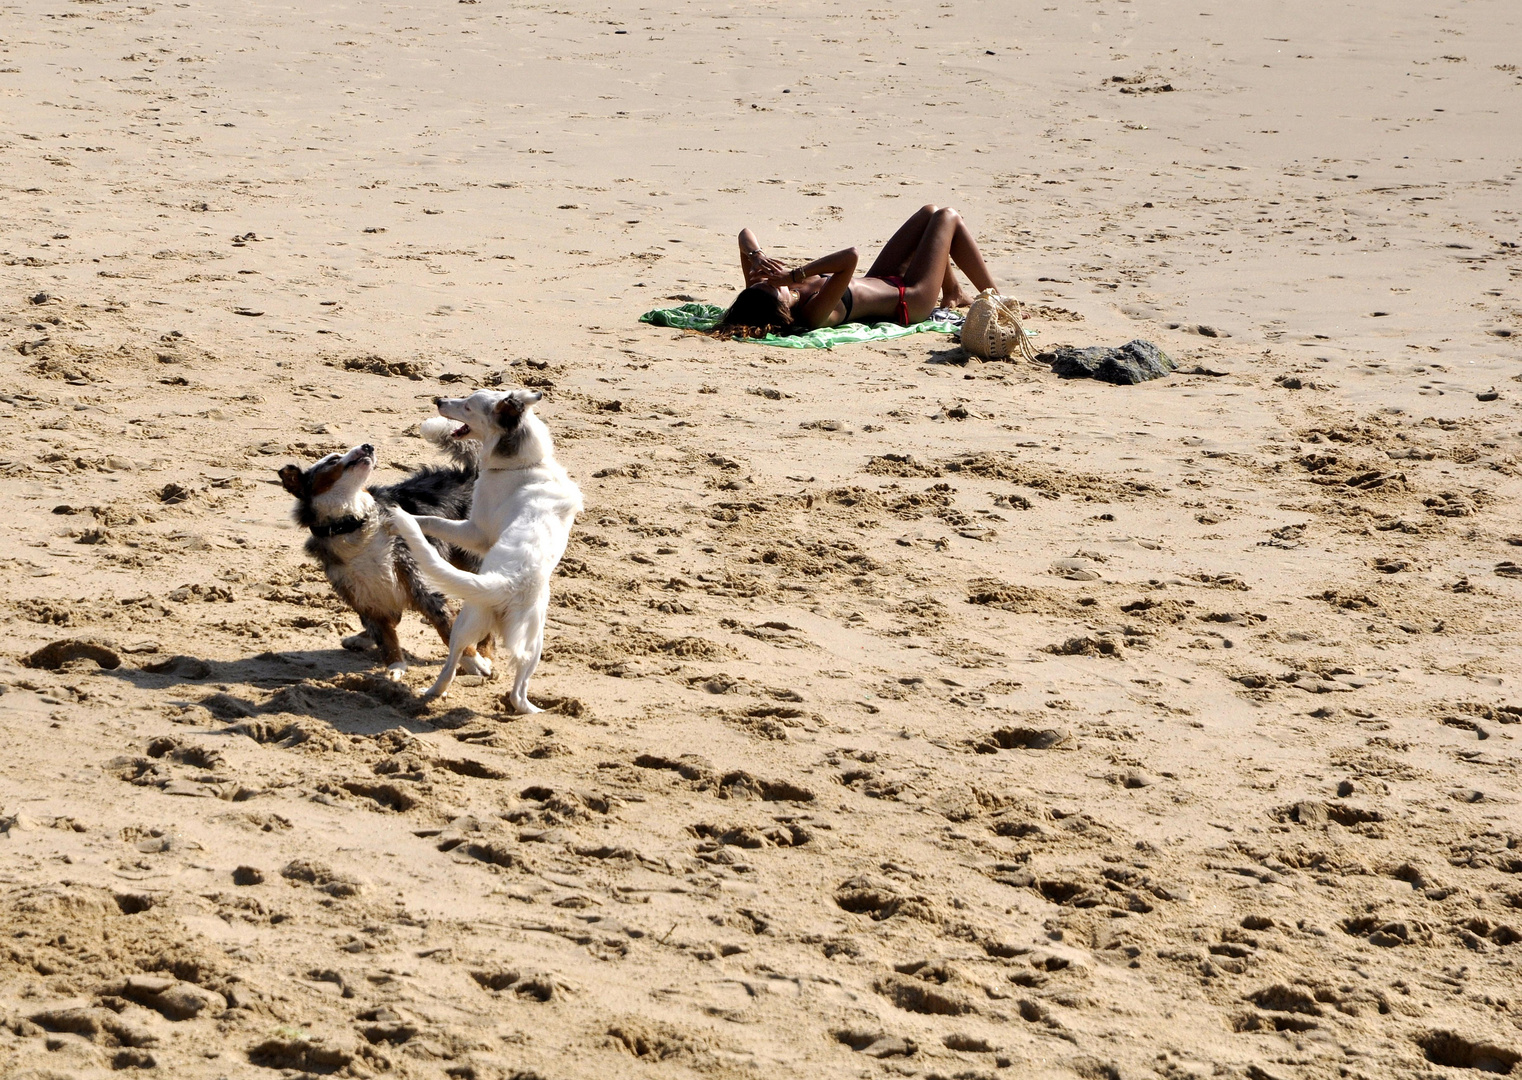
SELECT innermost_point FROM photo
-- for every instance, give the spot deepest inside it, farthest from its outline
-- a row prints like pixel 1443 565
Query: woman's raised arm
pixel 755 266
pixel 840 266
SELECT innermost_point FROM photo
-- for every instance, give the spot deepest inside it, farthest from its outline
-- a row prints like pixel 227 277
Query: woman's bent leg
pixel 952 295
pixel 930 264
pixel 965 253
pixel 901 246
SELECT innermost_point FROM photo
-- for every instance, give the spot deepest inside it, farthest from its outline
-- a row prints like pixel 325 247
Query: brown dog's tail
pixel 462 453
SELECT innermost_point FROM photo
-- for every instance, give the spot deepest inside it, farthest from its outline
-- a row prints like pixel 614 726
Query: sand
pixel 913 716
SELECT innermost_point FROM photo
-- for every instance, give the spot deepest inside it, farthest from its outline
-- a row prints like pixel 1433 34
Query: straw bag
pixel 992 329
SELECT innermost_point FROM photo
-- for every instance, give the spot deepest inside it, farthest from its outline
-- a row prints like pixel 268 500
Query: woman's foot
pixel 955 300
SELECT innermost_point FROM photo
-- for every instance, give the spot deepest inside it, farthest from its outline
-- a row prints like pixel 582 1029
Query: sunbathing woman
pixel 908 280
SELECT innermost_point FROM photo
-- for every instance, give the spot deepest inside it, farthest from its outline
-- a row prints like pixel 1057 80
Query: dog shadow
pixel 340 689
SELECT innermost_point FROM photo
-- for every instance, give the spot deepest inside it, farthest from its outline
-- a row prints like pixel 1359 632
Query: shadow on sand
pixel 955 355
pixel 344 691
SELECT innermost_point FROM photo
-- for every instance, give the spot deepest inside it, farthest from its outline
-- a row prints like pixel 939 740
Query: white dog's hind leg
pixel 518 699
pixel 533 646
pixel 441 685
pixel 470 625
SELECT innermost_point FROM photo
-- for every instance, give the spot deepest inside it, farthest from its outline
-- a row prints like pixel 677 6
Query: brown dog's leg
pixel 382 629
pixel 439 619
pixel 430 605
pixel 434 612
pixel 476 659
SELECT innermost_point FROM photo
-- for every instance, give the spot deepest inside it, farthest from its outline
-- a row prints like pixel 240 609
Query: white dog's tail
pixel 450 580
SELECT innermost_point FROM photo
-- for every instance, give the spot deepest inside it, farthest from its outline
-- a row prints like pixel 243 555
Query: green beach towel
pixel 707 316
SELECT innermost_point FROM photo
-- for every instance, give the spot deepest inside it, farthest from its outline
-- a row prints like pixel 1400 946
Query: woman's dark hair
pixel 756 312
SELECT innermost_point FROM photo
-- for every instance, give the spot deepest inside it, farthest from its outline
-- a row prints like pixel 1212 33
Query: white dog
pixel 521 512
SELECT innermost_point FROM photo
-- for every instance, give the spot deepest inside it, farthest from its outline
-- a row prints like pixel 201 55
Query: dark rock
pixel 341 886
pixel 1023 738
pixel 1455 1051
pixel 185 667
pixel 96 1024
pixel 1281 998
pixel 248 875
pixel 301 1053
pixel 174 999
pixel 1309 812
pixel 1134 362
pixel 59 653
pixel 912 995
pixel 889 1046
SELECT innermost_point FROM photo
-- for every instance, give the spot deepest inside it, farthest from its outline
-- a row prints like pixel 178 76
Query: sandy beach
pixel 908 715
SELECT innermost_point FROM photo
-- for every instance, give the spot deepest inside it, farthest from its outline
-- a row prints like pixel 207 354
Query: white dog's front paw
pixel 523 706
pixel 475 664
pixel 398 522
pixel 396 671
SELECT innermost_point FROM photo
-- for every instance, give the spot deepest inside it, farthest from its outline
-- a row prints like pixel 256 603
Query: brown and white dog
pixel 521 511
pixel 372 571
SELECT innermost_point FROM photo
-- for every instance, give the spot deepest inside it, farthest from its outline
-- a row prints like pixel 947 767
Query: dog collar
pixel 341 527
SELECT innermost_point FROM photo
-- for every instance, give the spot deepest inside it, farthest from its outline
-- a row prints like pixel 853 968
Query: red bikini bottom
pixel 902 314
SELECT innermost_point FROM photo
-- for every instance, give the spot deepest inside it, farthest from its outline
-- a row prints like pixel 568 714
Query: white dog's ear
pixel 509 408
pixel 516 403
